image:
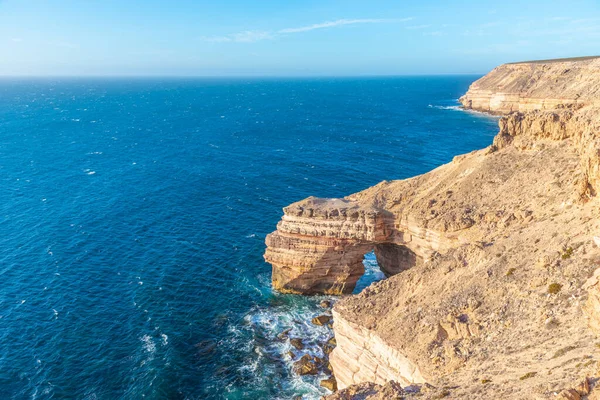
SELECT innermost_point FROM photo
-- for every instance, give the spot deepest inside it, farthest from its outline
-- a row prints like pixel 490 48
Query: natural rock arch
pixel 320 244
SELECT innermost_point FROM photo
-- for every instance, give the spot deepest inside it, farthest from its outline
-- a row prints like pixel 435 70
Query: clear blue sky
pixel 288 37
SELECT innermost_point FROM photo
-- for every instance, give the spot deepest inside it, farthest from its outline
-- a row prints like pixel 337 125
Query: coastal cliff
pixel 536 85
pixel 492 261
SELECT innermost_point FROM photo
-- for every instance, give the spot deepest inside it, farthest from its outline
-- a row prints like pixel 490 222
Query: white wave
pixel 165 339
pixel 455 108
pixel 148 345
pixel 260 334
pixel 462 109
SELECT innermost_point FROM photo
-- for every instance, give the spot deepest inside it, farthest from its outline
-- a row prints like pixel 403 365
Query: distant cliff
pixel 536 85
pixel 493 288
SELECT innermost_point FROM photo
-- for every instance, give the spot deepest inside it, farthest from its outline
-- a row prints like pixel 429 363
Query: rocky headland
pixel 492 261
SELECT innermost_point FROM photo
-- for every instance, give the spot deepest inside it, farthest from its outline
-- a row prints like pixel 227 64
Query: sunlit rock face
pixel 362 356
pixel 529 86
pixel 592 307
pixel 320 244
pixel 492 259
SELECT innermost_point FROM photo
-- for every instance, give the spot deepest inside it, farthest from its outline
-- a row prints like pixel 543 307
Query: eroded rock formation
pixel 539 85
pixel 490 258
pixel 320 244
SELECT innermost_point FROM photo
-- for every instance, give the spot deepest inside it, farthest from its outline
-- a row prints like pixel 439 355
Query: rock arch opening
pixel 383 261
pixel 394 258
pixel 373 272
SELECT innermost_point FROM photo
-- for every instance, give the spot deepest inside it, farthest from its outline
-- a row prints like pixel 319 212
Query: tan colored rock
pixel 321 320
pixel 329 384
pixel 592 307
pixel 297 343
pixel 569 394
pixel 370 391
pixel 449 313
pixel 362 356
pixel 306 365
pixel 537 85
pixel 319 245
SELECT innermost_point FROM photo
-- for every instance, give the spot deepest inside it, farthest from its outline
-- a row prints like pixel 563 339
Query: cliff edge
pixel 493 260
pixel 536 85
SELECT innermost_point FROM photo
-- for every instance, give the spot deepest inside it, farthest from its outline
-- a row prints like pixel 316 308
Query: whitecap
pixel 148 345
pixel 165 339
pixel 462 109
pixel 454 108
pixel 91 172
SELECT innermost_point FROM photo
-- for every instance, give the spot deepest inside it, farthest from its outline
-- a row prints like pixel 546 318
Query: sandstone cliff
pixel 539 85
pixel 492 259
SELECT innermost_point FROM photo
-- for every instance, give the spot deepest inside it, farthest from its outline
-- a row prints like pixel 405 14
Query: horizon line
pixel 7 76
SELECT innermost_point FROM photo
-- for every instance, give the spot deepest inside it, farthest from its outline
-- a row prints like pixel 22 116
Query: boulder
pixel 306 366
pixel 297 343
pixel 321 320
pixel 329 384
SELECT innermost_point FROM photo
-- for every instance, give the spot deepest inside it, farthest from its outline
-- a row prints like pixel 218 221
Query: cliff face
pixel 319 245
pixel 536 86
pixel 491 258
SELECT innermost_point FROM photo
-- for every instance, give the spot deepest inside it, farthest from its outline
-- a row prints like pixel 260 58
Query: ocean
pixel 133 214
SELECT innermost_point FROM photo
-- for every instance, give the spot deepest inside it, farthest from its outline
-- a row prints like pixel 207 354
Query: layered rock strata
pixel 491 258
pixel 362 356
pixel 542 85
pixel 319 245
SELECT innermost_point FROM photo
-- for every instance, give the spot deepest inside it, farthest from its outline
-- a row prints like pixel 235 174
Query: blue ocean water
pixel 133 214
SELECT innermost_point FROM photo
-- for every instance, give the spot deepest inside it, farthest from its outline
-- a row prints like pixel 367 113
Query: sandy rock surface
pixel 493 259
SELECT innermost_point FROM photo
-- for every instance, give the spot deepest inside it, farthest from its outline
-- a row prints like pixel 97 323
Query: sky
pixel 288 37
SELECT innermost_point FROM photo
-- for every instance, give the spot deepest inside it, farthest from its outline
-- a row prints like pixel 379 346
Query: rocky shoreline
pixel 305 363
pixel 492 260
